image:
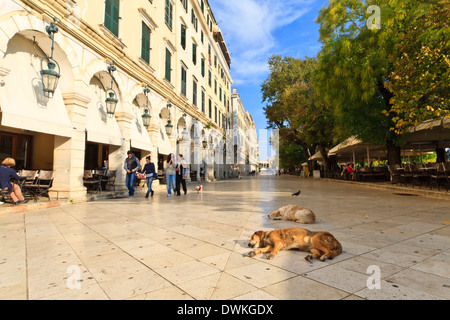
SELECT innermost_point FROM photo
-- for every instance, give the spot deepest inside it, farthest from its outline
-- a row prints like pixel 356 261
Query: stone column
pixel 153 132
pixel 117 156
pixel 69 153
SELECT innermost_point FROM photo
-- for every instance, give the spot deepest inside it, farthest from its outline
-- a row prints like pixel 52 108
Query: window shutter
pixel 169 12
pixel 145 54
pixel 183 36
pixel 112 16
pixel 194 53
pixel 168 64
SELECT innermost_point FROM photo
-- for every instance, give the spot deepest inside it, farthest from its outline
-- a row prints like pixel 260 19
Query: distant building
pixel 163 59
pixel 245 139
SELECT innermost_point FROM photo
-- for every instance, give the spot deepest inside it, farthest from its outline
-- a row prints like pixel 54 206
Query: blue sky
pixel 256 29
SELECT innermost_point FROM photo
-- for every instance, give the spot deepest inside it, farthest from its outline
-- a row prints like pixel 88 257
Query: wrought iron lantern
pixel 146 117
pixel 169 127
pixel 51 75
pixel 111 100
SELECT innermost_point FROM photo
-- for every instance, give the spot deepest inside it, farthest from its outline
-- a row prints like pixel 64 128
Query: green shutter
pixel 203 67
pixel 169 12
pixel 168 64
pixel 145 48
pixel 194 53
pixel 112 16
pixel 183 81
pixel 194 92
pixel 183 36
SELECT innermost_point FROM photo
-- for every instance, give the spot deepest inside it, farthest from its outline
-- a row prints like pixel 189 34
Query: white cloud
pixel 249 26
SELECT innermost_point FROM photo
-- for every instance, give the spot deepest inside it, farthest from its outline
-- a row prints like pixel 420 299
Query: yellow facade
pixel 71 129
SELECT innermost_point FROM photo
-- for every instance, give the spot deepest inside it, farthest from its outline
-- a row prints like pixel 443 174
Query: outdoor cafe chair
pixel 111 180
pixel 90 182
pixel 441 176
pixel 42 185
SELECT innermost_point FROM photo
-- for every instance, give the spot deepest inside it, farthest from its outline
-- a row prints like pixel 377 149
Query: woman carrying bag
pixel 170 174
pixel 180 178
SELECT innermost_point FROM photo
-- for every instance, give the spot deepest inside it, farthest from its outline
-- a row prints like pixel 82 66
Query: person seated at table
pixel 6 174
pixel 348 171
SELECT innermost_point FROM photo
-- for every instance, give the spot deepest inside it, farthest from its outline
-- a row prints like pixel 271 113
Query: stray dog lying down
pixel 320 244
pixel 294 213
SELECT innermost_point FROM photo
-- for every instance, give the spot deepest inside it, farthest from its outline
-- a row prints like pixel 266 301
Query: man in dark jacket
pixel 131 165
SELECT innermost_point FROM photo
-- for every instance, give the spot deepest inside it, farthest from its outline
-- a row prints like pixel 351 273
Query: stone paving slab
pixel 195 246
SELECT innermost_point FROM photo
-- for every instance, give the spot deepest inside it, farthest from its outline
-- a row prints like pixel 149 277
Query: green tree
pixel 420 79
pixel 293 106
pixel 354 67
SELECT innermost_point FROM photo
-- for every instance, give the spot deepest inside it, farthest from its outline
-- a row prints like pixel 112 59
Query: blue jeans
pixel 170 181
pixel 149 185
pixel 131 178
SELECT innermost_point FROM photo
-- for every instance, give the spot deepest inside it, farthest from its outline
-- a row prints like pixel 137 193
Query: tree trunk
pixel 324 155
pixel 393 153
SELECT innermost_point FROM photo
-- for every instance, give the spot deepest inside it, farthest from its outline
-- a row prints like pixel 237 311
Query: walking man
pixel 131 165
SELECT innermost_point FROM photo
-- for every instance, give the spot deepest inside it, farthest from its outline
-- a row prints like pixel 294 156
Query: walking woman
pixel 6 174
pixel 150 174
pixel 180 181
pixel 170 174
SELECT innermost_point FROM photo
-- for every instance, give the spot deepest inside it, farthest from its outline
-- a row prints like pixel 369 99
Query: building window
pixel 209 78
pixel 194 20
pixel 194 53
pixel 183 36
pixel 215 114
pixel 145 47
pixel 183 81
pixel 168 65
pixel 215 86
pixel 203 67
pixel 185 4
pixel 203 101
pixel 112 16
pixel 169 14
pixel 210 108
pixel 194 92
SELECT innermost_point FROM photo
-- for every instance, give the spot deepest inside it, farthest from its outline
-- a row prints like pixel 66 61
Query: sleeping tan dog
pixel 294 213
pixel 320 244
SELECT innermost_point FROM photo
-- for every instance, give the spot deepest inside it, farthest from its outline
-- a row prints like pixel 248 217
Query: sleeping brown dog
pixel 320 244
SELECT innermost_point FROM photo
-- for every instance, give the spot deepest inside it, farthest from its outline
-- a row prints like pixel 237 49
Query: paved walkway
pixel 194 246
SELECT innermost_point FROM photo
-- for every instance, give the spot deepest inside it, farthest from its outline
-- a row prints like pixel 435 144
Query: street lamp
pixel 146 117
pixel 111 100
pixel 169 127
pixel 50 76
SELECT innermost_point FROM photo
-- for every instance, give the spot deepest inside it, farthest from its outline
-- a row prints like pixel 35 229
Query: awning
pixel 164 145
pixel 100 127
pixel 24 106
pixel 431 132
pixel 316 156
pixel 344 146
pixel 139 135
